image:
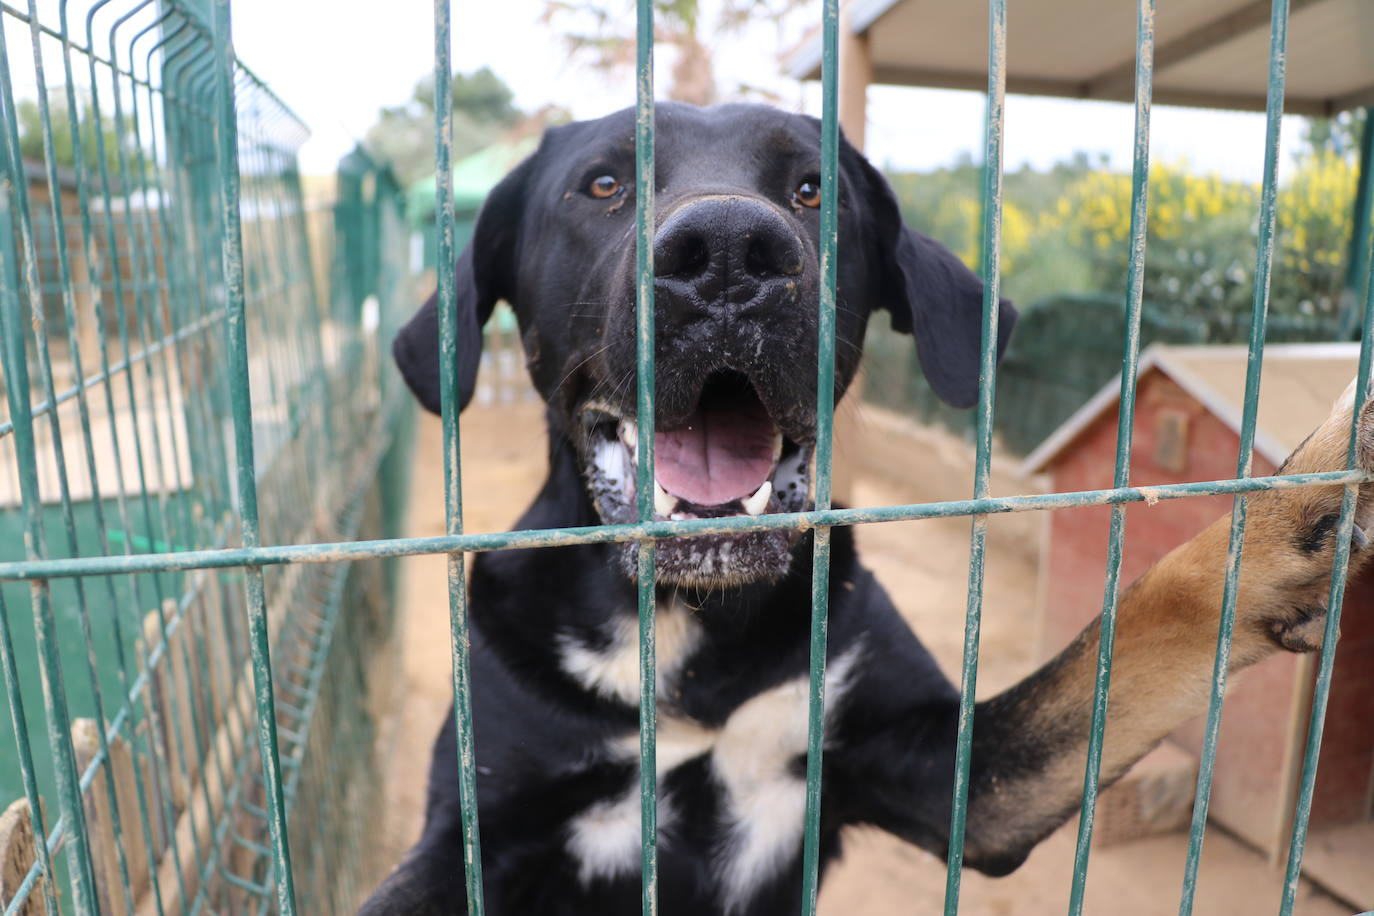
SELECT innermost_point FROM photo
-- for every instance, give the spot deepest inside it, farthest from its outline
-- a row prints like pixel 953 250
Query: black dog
pixel 554 663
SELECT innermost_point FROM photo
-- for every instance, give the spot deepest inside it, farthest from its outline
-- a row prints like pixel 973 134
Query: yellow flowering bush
pixel 1065 244
pixel 1068 231
pixel 1314 228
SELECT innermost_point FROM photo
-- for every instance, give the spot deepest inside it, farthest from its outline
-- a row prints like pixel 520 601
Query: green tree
pixel 484 110
pixel 1339 135
pixel 92 131
pixel 1066 230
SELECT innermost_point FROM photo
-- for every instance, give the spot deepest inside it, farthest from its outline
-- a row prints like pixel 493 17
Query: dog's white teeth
pixel 664 502
pixel 777 447
pixel 755 504
pixel 678 517
pixel 630 437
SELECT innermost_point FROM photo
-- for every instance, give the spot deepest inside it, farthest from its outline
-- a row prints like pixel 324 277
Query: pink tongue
pixel 718 455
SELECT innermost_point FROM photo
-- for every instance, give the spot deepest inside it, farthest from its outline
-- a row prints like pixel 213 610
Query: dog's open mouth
pixel 726 457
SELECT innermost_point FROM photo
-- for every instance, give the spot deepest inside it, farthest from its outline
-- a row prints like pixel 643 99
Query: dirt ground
pixel 923 564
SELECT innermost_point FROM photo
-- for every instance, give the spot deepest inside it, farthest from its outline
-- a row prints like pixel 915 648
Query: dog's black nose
pixel 726 248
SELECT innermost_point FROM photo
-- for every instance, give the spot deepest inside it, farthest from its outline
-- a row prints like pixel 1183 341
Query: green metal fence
pixel 221 807
pixel 152 219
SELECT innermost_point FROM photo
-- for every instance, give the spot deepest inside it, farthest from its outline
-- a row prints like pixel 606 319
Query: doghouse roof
pixel 1299 384
pixel 1208 53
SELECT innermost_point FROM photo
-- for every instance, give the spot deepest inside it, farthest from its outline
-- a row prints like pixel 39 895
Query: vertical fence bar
pixel 157 712
pixel 1130 359
pixel 13 692
pixel 825 426
pixel 143 284
pixel 97 293
pixel 644 424
pixel 17 310
pixel 202 719
pixel 1331 632
pixel 226 132
pixel 45 364
pixel 453 472
pixel 987 379
pixel 1264 258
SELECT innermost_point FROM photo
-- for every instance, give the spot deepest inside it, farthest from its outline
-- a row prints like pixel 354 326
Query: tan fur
pixel 1166 639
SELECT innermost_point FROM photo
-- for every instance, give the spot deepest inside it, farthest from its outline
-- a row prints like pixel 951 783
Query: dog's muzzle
pixel 727 457
pixel 735 423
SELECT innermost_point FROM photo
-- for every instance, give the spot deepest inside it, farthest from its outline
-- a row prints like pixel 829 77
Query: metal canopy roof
pixel 1208 53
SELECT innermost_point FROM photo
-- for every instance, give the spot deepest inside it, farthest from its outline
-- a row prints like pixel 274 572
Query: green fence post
pixel 1264 258
pixel 644 427
pixel 991 247
pixel 227 149
pixel 825 426
pixel 453 473
pixel 1130 360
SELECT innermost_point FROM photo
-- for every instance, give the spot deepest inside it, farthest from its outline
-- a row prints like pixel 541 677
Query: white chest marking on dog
pixel 765 799
pixel 752 757
pixel 605 838
pixel 613 671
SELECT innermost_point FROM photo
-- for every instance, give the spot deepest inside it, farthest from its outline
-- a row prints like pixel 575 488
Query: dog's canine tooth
pixel 664 502
pixel 755 504
pixel 630 437
pixel 777 447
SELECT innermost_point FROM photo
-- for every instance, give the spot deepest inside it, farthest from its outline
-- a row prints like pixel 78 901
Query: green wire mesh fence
pixel 152 218
pixel 201 697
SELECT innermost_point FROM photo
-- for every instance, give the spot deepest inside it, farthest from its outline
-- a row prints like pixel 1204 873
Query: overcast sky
pixel 337 63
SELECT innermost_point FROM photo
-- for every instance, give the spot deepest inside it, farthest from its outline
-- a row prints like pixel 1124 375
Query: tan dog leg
pixel 1030 742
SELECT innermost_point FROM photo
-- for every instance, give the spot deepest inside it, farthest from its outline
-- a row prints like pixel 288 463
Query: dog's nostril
pixel 758 259
pixel 685 255
pixel 766 255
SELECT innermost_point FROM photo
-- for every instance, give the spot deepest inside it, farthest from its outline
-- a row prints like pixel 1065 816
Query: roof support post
pixel 856 73
pixel 1357 260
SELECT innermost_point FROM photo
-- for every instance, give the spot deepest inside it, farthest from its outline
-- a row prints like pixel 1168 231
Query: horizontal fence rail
pixel 187 358
pixel 657 530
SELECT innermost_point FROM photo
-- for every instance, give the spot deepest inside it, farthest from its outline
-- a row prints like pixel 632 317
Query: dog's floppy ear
pixel 484 273
pixel 931 294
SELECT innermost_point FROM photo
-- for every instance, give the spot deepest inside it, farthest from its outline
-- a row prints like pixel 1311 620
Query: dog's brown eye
pixel 604 186
pixel 808 194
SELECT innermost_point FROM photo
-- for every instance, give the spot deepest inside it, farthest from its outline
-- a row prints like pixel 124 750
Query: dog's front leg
pixel 1030 742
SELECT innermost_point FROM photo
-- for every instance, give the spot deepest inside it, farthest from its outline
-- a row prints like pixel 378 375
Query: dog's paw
pixel 1291 536
pixel 1326 448
pixel 1301 631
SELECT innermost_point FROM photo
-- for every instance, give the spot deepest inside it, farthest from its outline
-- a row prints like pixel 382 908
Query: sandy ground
pixel 924 565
